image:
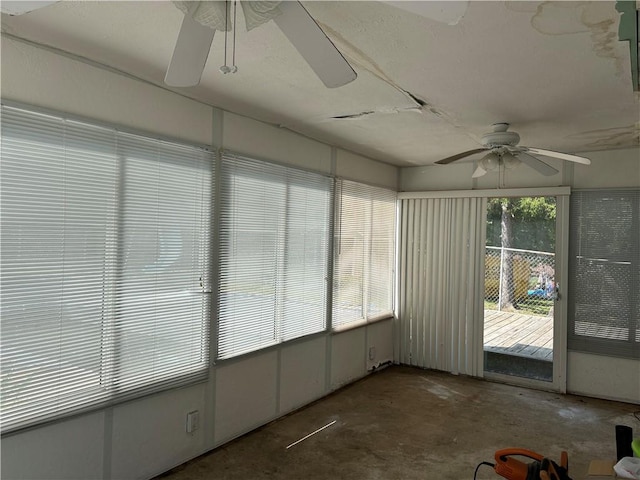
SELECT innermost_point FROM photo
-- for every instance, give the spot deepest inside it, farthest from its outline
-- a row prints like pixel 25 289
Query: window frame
pixel 109 392
pixel 365 192
pixel 287 177
pixel 594 344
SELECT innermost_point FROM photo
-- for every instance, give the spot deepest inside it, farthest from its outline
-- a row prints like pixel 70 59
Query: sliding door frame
pixel 559 382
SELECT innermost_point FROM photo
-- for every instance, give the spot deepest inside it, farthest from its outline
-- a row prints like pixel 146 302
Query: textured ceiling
pixel 429 83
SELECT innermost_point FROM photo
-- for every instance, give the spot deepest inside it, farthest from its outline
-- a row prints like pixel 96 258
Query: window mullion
pixel 368 248
pixel 333 248
pixel 109 348
pixel 281 267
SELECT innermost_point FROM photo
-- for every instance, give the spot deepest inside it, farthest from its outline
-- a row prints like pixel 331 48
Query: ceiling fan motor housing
pixel 499 139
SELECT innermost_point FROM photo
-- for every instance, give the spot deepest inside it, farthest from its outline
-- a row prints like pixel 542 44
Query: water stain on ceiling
pixel 618 137
pixel 568 18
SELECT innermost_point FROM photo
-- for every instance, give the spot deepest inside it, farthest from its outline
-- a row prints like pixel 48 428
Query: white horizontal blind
pixel 74 332
pixel 162 290
pixel 381 261
pixel 604 265
pixel 306 254
pixel 364 252
pixel 273 254
pixel 441 283
pixel 58 207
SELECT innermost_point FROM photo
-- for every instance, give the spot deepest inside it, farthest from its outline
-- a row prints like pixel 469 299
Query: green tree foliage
pixel 533 220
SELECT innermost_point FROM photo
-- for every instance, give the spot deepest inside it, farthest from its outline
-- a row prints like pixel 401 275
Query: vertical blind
pixel 441 283
pixel 274 244
pixel 364 253
pixel 105 241
pixel 604 265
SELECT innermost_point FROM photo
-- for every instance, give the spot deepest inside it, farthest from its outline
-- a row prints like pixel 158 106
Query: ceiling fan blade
pixel 15 7
pixel 190 54
pixel 560 155
pixel 314 46
pixel 536 164
pixel 479 172
pixel 453 158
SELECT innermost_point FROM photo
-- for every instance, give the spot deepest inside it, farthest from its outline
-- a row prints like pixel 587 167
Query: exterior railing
pixel 519 280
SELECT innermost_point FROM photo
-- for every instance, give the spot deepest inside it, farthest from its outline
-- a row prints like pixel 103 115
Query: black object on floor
pixel 624 437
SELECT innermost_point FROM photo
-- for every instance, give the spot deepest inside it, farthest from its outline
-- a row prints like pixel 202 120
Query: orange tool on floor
pixel 541 468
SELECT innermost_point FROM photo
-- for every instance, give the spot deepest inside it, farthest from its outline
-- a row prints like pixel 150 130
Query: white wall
pixel 145 437
pixel 609 169
pixel 354 167
pixel 603 377
pixel 591 375
pixel 73 449
pixel 47 80
pixel 267 142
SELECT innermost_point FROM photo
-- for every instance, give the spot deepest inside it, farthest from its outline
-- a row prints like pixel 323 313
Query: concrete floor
pixel 406 423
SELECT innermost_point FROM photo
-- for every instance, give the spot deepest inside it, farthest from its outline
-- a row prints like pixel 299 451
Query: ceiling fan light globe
pixel 510 161
pixel 490 161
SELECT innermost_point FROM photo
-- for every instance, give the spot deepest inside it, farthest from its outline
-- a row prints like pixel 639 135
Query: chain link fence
pixel 519 280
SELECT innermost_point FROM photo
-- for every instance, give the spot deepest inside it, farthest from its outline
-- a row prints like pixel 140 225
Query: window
pixel 364 252
pixel 105 241
pixel 274 244
pixel 604 265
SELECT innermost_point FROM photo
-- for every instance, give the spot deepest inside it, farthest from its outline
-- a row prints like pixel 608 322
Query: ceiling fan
pixel 203 18
pixel 504 151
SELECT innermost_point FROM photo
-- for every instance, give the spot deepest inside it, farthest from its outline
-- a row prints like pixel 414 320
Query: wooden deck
pixel 517 334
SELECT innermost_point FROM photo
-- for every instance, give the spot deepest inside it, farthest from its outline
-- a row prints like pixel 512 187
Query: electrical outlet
pixel 193 421
pixel 372 353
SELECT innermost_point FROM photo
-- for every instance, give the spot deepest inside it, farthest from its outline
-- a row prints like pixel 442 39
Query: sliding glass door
pixel 522 290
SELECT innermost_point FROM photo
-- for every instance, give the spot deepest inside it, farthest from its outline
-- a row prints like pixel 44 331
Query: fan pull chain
pixel 225 68
pixel 234 67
